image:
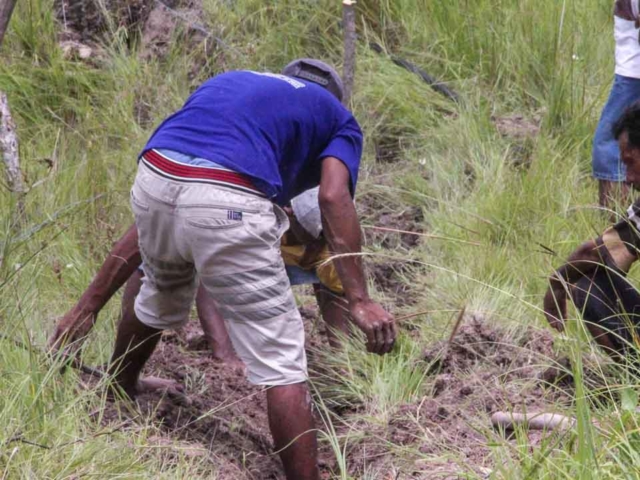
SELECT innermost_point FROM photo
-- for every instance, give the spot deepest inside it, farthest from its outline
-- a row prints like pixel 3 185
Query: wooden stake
pixel 349 68
pixel 6 9
pixel 9 152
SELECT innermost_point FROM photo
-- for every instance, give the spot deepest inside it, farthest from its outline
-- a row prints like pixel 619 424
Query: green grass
pixel 543 59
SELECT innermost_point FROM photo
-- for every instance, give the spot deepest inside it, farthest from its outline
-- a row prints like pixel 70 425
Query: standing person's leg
pixel 169 283
pixel 607 167
pixel 238 259
pixel 291 423
pixel 335 313
pixel 148 383
pixel 135 342
pixel 610 306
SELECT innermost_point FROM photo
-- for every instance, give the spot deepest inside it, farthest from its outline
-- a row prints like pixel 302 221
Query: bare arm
pixel 608 249
pixel 342 230
pixel 122 261
pixel 581 262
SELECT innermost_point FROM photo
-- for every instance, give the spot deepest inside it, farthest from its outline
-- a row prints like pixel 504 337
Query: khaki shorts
pixel 231 241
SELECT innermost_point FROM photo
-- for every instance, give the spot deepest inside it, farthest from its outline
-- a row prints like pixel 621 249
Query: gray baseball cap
pixel 316 71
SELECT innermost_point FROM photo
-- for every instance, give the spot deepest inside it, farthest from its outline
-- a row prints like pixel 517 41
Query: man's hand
pixel 71 330
pixel 555 307
pixel 123 260
pixel 378 325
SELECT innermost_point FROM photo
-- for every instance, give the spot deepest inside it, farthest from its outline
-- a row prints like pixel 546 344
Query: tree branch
pixel 9 151
pixel 6 9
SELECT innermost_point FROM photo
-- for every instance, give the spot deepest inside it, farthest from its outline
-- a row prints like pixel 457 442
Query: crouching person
pixel 207 202
pixel 307 260
pixel 594 276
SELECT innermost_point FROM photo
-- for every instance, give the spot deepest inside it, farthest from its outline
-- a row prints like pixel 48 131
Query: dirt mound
pixel 92 18
pixel 221 415
pixel 477 344
pixel 395 280
pixel 480 372
pixel 521 132
pixel 390 225
pixel 517 126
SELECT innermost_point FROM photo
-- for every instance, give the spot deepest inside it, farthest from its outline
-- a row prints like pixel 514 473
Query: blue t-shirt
pixel 273 128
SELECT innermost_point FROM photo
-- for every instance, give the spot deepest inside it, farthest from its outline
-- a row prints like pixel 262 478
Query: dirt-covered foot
pixel 223 353
pixel 155 384
pixel 229 359
pixel 172 389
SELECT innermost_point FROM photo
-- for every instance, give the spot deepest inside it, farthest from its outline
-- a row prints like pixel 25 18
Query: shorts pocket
pixel 137 203
pixel 213 223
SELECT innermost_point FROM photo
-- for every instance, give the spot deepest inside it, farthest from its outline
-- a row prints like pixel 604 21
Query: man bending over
pixel 207 201
pixel 306 257
pixel 595 274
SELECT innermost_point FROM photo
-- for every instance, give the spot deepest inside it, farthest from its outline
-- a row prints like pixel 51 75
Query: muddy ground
pixel 223 419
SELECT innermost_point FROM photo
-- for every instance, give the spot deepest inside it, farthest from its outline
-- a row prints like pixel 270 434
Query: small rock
pixel 75 50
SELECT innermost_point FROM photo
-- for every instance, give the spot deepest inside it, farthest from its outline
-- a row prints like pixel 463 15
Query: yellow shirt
pixel 311 257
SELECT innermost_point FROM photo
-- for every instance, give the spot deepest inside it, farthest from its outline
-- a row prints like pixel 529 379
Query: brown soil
pixel 221 415
pixel 478 374
pixel 224 418
pixel 394 279
pixel 517 126
pixel 521 133
pixel 88 18
pixel 388 223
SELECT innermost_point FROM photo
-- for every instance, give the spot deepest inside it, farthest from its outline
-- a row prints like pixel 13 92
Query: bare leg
pixel 214 328
pixel 122 261
pixel 334 311
pixel 290 417
pixel 144 384
pixel 135 343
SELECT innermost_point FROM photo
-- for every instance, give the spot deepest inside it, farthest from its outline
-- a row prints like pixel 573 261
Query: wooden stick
pixel 350 39
pixel 457 325
pixel 6 9
pixel 9 151
pixel 532 421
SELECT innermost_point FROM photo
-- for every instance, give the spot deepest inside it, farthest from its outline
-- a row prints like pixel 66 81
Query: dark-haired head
pixel 627 131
